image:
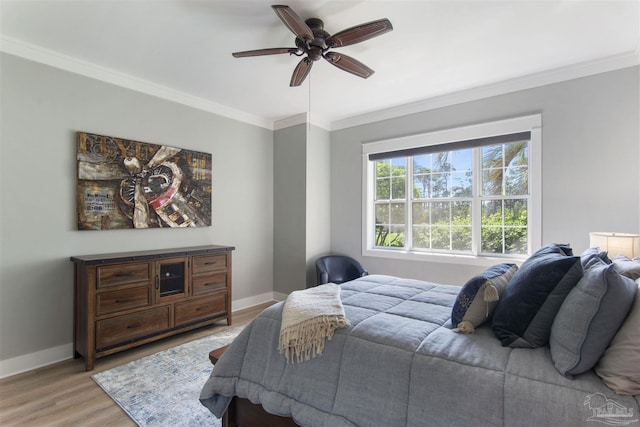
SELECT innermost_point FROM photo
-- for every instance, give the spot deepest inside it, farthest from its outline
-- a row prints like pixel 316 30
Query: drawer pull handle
pixel 118 301
pixel 134 326
pixel 202 308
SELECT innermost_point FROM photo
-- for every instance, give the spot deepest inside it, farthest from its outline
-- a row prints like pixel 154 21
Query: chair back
pixel 338 269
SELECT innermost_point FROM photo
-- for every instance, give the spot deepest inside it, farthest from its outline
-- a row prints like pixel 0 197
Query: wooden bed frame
pixel 241 412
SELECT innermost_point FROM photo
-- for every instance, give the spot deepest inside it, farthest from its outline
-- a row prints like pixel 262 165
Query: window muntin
pixel 390 203
pixel 442 198
pixel 505 180
pixel 477 201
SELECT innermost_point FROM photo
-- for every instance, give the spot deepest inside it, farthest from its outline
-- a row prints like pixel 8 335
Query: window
pixel 471 191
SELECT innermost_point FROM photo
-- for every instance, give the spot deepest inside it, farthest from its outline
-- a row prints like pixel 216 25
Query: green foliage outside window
pixel 390 215
pixel 442 195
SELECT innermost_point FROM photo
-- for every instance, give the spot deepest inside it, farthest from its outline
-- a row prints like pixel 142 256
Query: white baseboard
pixel 241 304
pixel 38 359
pixel 277 296
pixel 49 356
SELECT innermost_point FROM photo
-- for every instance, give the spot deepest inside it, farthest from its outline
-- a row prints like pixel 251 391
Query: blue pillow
pixel 554 248
pixel 590 317
pixel 591 253
pixel 479 296
pixel 526 311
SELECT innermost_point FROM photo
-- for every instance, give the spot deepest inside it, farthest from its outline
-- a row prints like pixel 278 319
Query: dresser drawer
pixel 202 308
pixel 123 274
pixel 205 284
pixel 122 299
pixel 131 326
pixel 206 263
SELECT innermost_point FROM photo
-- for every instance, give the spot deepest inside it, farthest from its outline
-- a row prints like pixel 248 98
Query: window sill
pixel 483 261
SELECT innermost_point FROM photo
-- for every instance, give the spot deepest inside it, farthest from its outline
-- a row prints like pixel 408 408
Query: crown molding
pixel 628 59
pixel 319 121
pixel 288 122
pixel 49 57
pixel 302 118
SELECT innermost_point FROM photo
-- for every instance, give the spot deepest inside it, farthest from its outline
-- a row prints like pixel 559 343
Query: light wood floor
pixel 64 394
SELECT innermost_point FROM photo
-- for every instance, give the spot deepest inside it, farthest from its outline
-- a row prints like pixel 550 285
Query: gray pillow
pixel 589 318
pixel 618 367
pixel 526 310
pixel 591 253
pixel 627 267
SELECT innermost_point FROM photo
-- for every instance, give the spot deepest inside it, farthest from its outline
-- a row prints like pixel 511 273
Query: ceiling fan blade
pixel 348 64
pixel 301 72
pixel 260 52
pixel 360 33
pixel 293 22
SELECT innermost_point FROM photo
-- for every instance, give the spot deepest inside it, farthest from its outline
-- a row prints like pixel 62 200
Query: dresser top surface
pixel 149 254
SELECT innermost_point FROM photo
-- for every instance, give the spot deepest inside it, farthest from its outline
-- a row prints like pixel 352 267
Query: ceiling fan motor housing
pixel 315 48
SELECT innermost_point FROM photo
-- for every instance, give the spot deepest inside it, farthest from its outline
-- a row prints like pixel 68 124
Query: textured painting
pixel 132 184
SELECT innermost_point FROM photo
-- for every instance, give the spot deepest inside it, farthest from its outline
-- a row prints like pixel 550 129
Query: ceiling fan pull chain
pixel 309 107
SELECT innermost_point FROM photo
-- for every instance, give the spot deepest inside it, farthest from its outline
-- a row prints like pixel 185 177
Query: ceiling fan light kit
pixel 313 42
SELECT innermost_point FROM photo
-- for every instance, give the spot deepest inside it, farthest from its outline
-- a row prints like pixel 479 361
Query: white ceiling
pixel 181 49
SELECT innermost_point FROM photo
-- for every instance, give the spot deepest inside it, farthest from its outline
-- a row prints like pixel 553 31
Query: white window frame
pixel 532 123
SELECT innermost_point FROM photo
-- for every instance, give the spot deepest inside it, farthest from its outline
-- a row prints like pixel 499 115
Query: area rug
pixel 163 389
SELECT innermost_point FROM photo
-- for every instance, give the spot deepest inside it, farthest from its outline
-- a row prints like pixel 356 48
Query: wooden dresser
pixel 123 300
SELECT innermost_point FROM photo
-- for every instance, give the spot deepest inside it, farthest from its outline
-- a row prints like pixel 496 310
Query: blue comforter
pixel 400 364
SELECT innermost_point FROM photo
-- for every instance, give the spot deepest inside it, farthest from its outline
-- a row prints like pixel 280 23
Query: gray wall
pixel 290 207
pixel 318 230
pixel 590 157
pixel 41 109
pixel 282 198
pixel 301 205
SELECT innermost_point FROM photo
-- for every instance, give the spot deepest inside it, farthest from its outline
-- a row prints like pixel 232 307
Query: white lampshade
pixel 616 243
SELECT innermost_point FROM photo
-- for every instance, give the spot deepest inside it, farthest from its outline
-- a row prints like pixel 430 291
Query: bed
pixel 400 363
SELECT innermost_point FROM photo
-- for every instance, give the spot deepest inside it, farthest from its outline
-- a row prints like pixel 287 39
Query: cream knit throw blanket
pixel 308 318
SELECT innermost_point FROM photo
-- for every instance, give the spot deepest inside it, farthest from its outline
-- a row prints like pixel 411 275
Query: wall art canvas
pixel 130 184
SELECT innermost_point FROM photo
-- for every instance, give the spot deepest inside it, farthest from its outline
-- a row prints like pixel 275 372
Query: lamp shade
pixel 616 243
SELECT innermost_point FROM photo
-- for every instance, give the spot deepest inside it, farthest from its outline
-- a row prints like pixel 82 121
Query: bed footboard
pixel 242 412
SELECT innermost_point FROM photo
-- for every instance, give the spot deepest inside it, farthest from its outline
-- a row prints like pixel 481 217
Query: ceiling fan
pixel 314 42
